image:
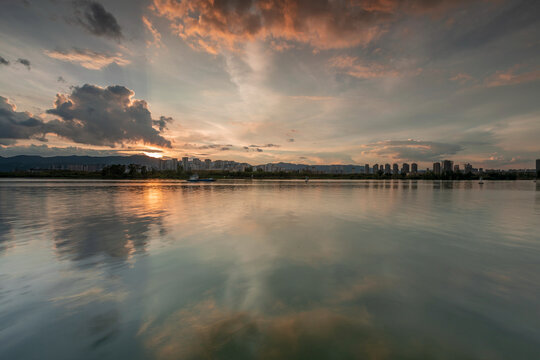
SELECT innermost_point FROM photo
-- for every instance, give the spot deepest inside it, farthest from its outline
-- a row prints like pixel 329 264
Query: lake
pixel 269 270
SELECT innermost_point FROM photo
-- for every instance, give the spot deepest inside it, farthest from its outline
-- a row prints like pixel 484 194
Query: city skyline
pixel 27 163
pixel 344 82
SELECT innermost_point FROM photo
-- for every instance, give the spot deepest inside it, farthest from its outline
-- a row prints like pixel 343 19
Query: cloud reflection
pixel 106 222
pixel 205 330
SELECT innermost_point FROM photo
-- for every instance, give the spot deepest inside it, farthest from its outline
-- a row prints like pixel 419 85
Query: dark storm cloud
pixel 24 62
pixel 16 125
pixel 89 115
pixel 412 149
pixel 61 79
pixel 105 116
pixel 98 21
pixel 3 61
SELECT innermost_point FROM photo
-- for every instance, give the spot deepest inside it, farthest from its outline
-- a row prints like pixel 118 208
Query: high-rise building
pixel 366 168
pixel 468 168
pixel 437 168
pixel 185 163
pixel 395 169
pixel 375 168
pixel 387 168
pixel 414 168
pixel 456 168
pixel 207 164
pixel 405 168
pixel 196 164
pixel 447 165
pixel 538 167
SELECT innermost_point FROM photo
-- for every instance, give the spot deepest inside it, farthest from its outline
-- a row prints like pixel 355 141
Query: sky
pixel 258 81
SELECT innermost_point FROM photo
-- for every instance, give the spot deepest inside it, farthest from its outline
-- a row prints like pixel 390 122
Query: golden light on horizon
pixel 156 155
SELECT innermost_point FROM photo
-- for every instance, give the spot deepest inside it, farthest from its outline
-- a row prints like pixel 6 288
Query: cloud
pixel 323 24
pixel 44 150
pixel 264 146
pixel 61 79
pixel 515 16
pixel 3 61
pixel 218 147
pixel 24 62
pixel 207 330
pixel 97 20
pixel 156 36
pixel 411 150
pixel 497 160
pixel 208 25
pixel 16 125
pixel 162 122
pixel 259 148
pixel 313 98
pixel 352 66
pixel 105 116
pixel 462 78
pixel 290 140
pixel 89 59
pixel 89 115
pixel 512 77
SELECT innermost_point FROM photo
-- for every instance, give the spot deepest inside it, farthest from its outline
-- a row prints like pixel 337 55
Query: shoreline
pixel 356 177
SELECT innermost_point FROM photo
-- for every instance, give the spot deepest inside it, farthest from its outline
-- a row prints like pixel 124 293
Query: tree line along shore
pixel 141 173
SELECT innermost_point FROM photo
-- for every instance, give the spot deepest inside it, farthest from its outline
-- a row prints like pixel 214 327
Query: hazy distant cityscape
pixel 186 164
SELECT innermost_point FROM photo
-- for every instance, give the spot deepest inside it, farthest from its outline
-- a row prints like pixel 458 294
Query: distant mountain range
pixel 28 162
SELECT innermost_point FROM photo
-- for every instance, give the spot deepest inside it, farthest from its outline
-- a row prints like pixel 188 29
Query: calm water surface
pixel 269 270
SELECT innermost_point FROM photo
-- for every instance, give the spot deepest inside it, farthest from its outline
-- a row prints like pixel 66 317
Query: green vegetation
pixel 133 171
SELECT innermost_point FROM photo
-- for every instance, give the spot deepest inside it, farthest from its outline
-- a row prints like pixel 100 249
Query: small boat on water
pixel 481 181
pixel 307 179
pixel 195 178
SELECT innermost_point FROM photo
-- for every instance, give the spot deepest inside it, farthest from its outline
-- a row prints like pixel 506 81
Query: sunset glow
pixel 153 154
pixel 269 179
pixel 313 82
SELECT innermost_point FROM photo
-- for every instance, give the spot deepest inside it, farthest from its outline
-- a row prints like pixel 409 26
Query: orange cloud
pixel 461 77
pixel 153 31
pixel 410 150
pixel 351 66
pixel 509 77
pixel 323 24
